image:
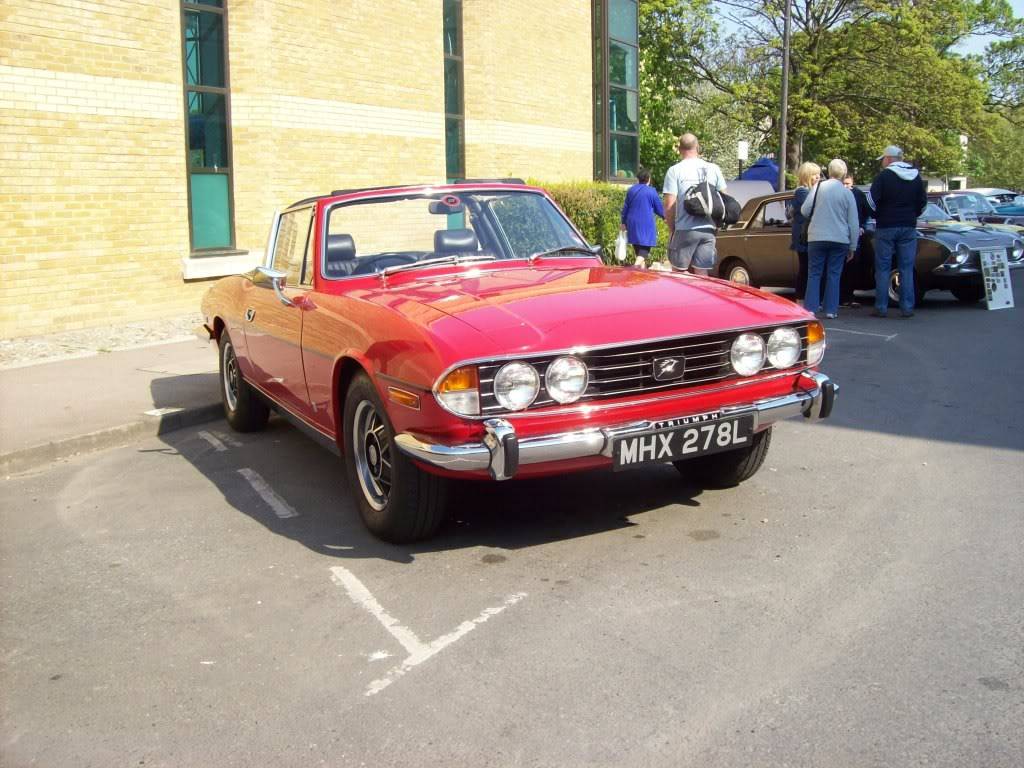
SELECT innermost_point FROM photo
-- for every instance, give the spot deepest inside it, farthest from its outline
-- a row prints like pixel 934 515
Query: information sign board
pixel 995 272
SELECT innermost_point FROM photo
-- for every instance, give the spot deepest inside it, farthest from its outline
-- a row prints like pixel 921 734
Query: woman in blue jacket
pixel 642 203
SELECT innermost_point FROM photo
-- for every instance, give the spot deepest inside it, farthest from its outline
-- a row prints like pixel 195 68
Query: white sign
pixel 995 273
pixel 742 150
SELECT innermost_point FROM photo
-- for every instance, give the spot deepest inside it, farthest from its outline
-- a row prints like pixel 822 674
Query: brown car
pixel 756 251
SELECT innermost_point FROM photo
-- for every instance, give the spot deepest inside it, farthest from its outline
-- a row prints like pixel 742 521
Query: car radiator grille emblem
pixel 669 368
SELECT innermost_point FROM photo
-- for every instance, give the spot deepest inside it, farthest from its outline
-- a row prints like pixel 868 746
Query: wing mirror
pixel 277 278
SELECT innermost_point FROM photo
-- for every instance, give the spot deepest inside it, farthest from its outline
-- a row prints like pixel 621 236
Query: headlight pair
pixel 749 352
pixel 516 385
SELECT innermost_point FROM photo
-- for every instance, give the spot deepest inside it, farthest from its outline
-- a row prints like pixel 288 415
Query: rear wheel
pixel 725 470
pixel 398 502
pixel 736 271
pixel 968 294
pixel 243 408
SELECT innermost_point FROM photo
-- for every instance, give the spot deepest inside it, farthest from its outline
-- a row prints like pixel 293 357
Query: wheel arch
pixel 346 368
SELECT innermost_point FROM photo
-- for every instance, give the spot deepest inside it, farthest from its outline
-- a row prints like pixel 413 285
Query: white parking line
pixel 227 439
pixel 418 651
pixel 887 337
pixel 275 502
pixel 217 444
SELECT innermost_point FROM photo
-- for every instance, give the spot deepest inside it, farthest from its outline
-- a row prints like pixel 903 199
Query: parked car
pixel 755 251
pixel 995 195
pixel 965 205
pixel 431 333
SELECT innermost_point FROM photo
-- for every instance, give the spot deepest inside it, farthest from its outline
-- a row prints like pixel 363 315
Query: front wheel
pixel 725 470
pixel 398 502
pixel 968 294
pixel 243 408
pixel 736 272
pixel 894 288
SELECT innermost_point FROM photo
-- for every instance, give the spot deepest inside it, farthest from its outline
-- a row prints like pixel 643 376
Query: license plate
pixel 685 442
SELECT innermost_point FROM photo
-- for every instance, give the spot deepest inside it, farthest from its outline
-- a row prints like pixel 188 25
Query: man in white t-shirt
pixel 692 242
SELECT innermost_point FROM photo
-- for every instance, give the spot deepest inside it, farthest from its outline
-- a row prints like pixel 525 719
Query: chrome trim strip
pixel 597 441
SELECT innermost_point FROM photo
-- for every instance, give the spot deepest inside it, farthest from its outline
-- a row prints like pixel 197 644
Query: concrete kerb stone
pixel 26 459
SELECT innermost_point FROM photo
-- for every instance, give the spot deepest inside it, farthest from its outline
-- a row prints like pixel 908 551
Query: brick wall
pixel 324 94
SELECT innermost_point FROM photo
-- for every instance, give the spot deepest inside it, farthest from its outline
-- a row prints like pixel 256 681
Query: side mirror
pixel 597 250
pixel 277 278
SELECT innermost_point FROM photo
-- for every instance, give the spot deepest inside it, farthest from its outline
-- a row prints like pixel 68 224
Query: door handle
pixel 250 313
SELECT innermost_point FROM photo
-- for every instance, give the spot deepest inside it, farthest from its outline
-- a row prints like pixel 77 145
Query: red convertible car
pixel 431 333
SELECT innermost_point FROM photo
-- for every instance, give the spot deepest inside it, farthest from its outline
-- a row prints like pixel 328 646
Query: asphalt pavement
pixel 199 597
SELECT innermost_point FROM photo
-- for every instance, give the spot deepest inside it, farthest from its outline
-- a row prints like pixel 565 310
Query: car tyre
pixel 728 469
pixel 398 502
pixel 968 294
pixel 894 288
pixel 736 271
pixel 243 408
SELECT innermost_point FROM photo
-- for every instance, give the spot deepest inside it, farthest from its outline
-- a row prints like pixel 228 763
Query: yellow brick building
pixel 146 143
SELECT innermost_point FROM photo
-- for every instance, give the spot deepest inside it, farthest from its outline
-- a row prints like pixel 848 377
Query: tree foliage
pixel 863 74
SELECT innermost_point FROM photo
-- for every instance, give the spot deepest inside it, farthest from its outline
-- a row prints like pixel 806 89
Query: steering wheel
pixel 383 261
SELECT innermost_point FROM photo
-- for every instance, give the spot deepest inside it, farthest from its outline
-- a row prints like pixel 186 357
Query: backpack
pixel 733 209
pixel 704 199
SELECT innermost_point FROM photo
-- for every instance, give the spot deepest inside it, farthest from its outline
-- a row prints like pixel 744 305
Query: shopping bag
pixel 620 246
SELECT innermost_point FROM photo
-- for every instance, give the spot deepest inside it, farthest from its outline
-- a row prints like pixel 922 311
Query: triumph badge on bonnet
pixel 669 368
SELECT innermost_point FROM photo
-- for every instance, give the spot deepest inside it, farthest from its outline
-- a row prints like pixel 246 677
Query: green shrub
pixel 596 208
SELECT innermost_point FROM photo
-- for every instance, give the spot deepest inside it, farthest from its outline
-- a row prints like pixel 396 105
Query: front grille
pixel 629 369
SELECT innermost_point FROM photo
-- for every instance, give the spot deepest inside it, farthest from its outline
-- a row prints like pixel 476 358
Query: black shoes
pixel 878 313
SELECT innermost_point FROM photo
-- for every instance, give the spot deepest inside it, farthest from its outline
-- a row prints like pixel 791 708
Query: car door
pixel 273 320
pixel 767 238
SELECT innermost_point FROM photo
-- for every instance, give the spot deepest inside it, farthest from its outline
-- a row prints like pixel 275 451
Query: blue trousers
pixel 901 242
pixel 825 258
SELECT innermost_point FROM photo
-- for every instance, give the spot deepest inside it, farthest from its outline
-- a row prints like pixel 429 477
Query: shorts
pixel 694 247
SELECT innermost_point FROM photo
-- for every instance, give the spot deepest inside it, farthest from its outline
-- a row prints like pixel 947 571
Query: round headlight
pixel 963 252
pixel 566 379
pixel 1017 251
pixel 516 385
pixel 783 347
pixel 747 354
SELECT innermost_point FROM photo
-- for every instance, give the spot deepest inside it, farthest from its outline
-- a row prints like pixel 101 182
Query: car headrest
pixel 455 241
pixel 340 248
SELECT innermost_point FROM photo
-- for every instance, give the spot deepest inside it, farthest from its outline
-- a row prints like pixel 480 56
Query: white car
pixel 995 195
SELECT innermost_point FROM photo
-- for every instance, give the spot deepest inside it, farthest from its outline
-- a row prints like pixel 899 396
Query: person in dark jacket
pixel 642 204
pixel 808 175
pixel 898 196
pixel 853 269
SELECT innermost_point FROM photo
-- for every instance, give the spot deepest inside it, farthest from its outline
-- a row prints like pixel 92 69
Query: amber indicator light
pixel 815 333
pixel 460 380
pixel 400 396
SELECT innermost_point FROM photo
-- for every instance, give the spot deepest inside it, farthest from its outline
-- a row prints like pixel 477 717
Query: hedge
pixel 596 208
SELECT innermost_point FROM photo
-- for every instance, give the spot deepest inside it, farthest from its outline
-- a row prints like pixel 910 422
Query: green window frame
pixel 207 89
pixel 454 101
pixel 616 90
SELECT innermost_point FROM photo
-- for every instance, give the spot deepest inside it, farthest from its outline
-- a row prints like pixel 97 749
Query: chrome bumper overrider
pixel 501 452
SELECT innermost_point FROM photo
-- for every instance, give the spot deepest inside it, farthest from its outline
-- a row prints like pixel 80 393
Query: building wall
pixel 528 83
pixel 325 94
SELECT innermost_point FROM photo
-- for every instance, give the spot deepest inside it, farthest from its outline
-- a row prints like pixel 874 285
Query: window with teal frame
pixel 207 125
pixel 616 90
pixel 454 111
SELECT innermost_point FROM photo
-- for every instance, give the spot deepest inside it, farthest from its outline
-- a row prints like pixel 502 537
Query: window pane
pixel 452 14
pixel 624 154
pixel 211 214
pixel 622 64
pixel 452 88
pixel 214 3
pixel 622 20
pixel 453 148
pixel 290 248
pixel 204 49
pixel 622 110
pixel 207 130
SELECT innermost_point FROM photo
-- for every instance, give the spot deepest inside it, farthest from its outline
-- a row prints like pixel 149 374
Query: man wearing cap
pixel 898 196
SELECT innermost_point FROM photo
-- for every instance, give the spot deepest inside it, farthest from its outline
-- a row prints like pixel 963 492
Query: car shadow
pixel 510 515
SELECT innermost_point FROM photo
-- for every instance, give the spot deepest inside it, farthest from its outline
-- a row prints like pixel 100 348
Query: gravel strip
pixel 32 350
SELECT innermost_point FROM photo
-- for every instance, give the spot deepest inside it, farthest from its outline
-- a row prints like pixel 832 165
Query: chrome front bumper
pixel 502 452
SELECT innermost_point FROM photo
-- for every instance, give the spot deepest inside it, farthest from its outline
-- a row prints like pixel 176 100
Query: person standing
pixel 691 238
pixel 638 211
pixel 808 175
pixel 853 269
pixel 832 236
pixel 898 196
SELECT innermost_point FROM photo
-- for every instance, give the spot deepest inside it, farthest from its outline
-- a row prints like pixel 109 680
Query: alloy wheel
pixel 372 449
pixel 231 377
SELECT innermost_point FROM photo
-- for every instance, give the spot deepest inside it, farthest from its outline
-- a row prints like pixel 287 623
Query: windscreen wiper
pixel 560 250
pixel 441 260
